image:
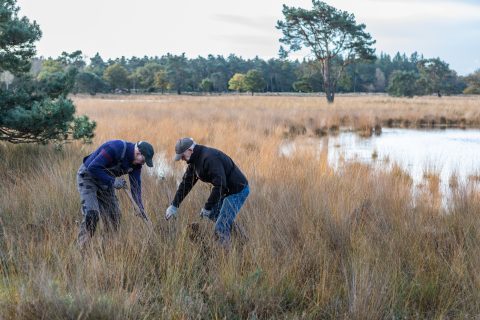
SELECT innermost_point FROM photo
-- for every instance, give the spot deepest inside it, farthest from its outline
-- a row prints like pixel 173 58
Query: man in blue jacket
pixel 230 186
pixel 100 174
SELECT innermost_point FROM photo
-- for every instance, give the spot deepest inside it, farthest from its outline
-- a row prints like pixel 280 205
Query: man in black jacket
pixel 230 187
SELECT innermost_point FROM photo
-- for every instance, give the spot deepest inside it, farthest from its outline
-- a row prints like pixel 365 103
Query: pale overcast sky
pixel 449 29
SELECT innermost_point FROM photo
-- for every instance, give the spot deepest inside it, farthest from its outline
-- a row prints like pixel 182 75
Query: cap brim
pixel 177 157
pixel 149 162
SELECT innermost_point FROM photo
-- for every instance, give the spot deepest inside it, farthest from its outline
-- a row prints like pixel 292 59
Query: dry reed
pixel 352 243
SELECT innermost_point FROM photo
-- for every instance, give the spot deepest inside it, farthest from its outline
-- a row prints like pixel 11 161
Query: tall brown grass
pixel 353 243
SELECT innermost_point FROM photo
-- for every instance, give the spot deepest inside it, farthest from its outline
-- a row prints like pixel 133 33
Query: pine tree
pixel 33 110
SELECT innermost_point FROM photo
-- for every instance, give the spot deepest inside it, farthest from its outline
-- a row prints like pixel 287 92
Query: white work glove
pixel 171 212
pixel 120 183
pixel 204 213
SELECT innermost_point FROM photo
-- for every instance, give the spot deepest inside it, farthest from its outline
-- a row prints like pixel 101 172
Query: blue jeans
pixel 224 213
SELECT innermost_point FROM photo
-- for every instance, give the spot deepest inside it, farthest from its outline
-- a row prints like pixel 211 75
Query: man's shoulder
pixel 214 157
pixel 212 151
pixel 112 143
pixel 115 144
pixel 113 148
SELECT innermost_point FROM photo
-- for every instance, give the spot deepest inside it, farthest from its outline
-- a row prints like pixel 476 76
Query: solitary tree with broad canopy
pixel 32 110
pixel 333 36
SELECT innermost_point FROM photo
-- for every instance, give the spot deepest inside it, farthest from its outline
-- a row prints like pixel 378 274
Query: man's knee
pixel 215 212
pixel 91 220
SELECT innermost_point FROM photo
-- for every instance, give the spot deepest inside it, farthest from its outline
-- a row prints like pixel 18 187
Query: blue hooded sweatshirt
pixel 106 163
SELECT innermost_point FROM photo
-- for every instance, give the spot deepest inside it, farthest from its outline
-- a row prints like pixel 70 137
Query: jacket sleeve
pixel 98 166
pixel 218 177
pixel 188 181
pixel 136 186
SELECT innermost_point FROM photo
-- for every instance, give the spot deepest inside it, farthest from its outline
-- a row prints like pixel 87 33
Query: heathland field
pixel 349 243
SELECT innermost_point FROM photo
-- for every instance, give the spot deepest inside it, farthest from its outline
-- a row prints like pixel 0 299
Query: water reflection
pixel 446 153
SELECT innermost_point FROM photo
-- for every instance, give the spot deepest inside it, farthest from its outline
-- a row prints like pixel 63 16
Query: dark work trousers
pixel 97 201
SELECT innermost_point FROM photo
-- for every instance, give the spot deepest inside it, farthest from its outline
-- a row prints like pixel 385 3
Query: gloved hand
pixel 171 212
pixel 120 183
pixel 204 213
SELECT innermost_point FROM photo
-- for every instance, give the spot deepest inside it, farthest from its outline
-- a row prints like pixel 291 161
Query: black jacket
pixel 215 167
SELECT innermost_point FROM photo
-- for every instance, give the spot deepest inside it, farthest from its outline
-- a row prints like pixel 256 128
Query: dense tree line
pixel 400 75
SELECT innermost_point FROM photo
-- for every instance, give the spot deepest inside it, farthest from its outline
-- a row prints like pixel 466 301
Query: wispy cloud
pixel 394 11
pixel 260 22
pixel 248 39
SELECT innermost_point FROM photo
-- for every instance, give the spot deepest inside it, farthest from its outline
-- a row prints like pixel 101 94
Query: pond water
pixel 444 152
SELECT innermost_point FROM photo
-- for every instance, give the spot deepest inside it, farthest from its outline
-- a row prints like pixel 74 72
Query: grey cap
pixel 181 146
